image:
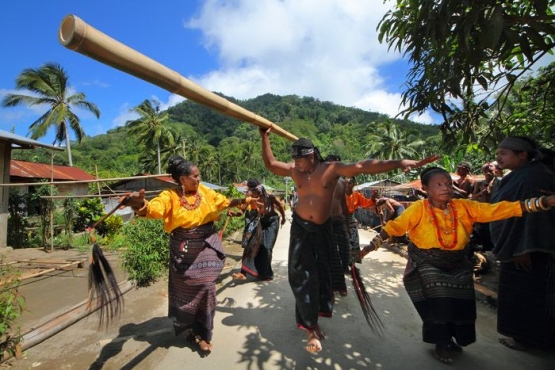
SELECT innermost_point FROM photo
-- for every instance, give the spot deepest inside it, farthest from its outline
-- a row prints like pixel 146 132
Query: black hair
pixel 427 174
pixel 252 182
pixel 178 166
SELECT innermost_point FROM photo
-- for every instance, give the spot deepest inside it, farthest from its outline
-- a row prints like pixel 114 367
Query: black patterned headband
pixel 300 151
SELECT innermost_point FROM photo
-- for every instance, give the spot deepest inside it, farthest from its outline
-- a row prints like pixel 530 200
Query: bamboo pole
pixel 82 181
pixel 77 35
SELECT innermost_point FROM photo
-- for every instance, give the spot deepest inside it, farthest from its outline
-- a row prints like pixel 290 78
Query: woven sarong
pixel 526 305
pixel 339 255
pixel 440 285
pixel 259 264
pixel 196 260
pixel 309 270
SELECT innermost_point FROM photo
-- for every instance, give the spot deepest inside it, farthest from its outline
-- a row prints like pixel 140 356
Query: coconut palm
pixel 150 129
pixel 49 86
pixel 390 142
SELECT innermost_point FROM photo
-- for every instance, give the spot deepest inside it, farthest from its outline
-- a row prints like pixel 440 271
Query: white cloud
pixel 124 115
pixel 327 49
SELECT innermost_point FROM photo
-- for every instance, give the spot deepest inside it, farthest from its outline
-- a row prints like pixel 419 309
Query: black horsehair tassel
pixel 365 303
pixel 104 292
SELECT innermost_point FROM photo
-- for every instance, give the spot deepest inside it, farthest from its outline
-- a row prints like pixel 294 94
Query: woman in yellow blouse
pixel 196 254
pixel 438 277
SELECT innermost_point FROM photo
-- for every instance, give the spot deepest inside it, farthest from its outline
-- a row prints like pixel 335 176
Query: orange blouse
pixel 357 199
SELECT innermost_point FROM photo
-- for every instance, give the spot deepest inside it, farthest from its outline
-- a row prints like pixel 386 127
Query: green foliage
pixel 233 223
pixel 89 211
pixel 70 214
pixel 17 221
pixel 110 226
pixel 46 207
pixel 11 308
pixel 146 250
pixel 457 46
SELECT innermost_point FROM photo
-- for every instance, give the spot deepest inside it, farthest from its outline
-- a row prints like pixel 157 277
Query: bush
pixel 110 226
pixel 146 256
pixel 11 308
pixel 17 221
pixel 89 210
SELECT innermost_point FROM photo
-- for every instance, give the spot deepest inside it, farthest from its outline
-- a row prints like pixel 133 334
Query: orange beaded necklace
pixel 440 230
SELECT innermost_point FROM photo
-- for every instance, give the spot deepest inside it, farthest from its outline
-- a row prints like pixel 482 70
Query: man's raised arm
pixel 277 167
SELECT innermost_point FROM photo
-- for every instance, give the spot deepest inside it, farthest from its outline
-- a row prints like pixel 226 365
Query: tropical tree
pixel 467 55
pixel 49 86
pixel 390 142
pixel 150 129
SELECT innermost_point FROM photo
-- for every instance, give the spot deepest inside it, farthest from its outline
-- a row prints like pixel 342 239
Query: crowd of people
pixel 511 213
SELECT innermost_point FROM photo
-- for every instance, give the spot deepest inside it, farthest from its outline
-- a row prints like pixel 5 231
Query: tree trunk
pixel 158 154
pixel 68 146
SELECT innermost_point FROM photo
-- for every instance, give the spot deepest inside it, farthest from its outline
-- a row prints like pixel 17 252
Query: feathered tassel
pixel 104 292
pixel 365 303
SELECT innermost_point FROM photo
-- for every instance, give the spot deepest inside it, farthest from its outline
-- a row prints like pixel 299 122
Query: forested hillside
pixel 229 151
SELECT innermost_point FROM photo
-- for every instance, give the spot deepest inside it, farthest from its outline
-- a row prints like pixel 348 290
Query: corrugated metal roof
pixel 24 141
pixel 31 170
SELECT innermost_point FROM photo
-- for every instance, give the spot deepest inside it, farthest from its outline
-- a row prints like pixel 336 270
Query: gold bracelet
pixel 533 204
pixel 525 205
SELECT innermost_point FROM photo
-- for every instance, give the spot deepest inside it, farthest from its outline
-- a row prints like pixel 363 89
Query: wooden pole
pixel 77 35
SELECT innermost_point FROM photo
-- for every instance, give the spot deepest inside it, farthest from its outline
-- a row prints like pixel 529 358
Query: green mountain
pixel 228 150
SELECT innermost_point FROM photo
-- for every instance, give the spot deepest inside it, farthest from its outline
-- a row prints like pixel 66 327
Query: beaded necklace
pixel 439 229
pixel 188 206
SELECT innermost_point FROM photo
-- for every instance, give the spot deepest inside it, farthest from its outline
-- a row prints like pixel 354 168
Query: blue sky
pixel 327 49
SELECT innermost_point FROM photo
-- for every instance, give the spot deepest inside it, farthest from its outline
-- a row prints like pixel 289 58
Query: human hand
pixel 283 220
pixel 265 131
pixel 523 262
pixel 134 200
pixel 409 164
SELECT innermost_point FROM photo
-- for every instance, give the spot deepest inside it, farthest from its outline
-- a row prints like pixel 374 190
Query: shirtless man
pixel 310 242
pixel 463 185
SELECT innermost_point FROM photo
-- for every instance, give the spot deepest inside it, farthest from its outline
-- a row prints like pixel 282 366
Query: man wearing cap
pixel 463 185
pixel 311 239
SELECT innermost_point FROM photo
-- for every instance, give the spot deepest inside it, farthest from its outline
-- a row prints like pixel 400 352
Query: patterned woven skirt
pixel 196 260
pixel 440 286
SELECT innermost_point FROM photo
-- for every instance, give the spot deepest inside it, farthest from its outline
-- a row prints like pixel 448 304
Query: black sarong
pixel 309 270
pixel 196 260
pixel 339 255
pixel 440 286
pixel 527 301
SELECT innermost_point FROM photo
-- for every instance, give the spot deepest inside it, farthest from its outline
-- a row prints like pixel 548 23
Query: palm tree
pixel 390 142
pixel 150 129
pixel 49 86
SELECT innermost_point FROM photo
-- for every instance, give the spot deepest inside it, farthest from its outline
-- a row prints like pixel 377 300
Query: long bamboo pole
pixel 77 35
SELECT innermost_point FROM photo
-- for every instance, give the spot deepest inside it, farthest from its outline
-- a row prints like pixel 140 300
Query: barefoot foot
pixel 203 345
pixel 513 344
pixel 443 354
pixel 238 276
pixel 314 336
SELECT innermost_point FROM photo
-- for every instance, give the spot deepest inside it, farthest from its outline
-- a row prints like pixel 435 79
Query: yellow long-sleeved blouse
pixel 417 221
pixel 167 205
